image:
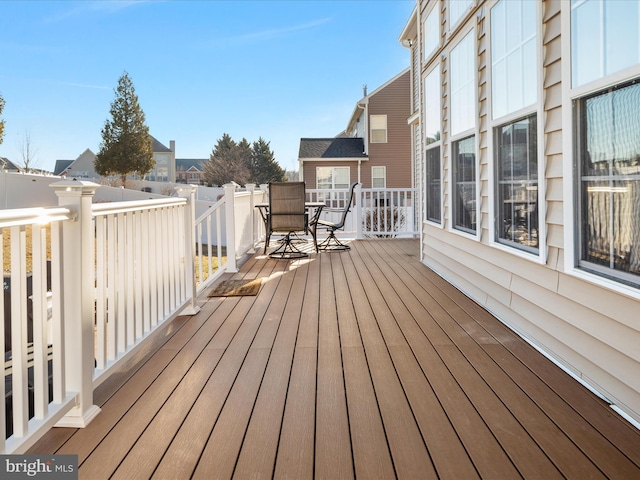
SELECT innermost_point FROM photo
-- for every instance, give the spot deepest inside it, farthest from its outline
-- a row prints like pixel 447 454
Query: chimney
pixel 172 145
pixel 364 90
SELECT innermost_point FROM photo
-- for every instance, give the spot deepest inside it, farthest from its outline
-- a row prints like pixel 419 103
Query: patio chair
pixel 331 243
pixel 287 215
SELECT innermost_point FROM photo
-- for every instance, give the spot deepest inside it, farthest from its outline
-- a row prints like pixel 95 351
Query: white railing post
pixel 252 227
pixel 189 192
pixel 78 299
pixel 230 226
pixel 359 211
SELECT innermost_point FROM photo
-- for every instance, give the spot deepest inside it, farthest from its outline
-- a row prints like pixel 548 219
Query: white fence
pixel 90 282
pixel 87 289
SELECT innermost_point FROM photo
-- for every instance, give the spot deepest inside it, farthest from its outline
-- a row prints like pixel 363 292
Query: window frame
pixel 461 17
pixel 435 145
pixel 569 184
pixel 333 177
pixel 427 54
pixel 382 168
pixel 463 135
pixel 371 127
pixel 495 122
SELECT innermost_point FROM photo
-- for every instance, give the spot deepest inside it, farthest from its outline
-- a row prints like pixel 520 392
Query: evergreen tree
pixel 1 121
pixel 126 144
pixel 264 168
pixel 225 164
pixel 246 153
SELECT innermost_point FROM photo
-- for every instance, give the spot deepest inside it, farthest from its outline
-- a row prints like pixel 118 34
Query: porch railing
pixel 90 282
pixel 103 278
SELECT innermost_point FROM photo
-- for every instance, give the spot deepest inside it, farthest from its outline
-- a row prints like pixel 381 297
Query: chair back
pixel 286 207
pixel 347 206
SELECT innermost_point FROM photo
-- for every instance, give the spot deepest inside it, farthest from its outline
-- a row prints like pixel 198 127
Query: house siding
pixel 394 101
pixel 590 329
pixel 309 172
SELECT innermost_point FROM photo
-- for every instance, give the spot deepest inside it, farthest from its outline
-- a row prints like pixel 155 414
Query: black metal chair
pixel 287 215
pixel 331 243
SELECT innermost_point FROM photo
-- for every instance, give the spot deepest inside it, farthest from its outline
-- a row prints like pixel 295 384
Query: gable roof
pixel 338 147
pixel 187 163
pixel 157 146
pixel 7 164
pixel 61 166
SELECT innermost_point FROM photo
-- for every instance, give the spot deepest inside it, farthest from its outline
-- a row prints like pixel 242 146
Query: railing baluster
pixel 101 320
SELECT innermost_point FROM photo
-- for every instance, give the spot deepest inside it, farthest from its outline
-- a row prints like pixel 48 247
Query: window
pixel 433 109
pixel 378 124
pixel 379 177
pixel 513 56
pixel 463 85
pixel 332 177
pixel 517 182
pixel 457 8
pixel 464 185
pixel 433 185
pixel 605 38
pixel 608 160
pixel 431 32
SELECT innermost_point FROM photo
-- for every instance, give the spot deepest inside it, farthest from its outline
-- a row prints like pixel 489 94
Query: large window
pixel 464 185
pixel 433 112
pixel 605 38
pixel 463 98
pixel 513 56
pixel 457 8
pixel 608 158
pixel 517 179
pixel 431 32
pixel 378 125
pixel 332 178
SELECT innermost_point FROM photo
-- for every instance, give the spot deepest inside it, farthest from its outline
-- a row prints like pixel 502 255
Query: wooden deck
pixel 356 364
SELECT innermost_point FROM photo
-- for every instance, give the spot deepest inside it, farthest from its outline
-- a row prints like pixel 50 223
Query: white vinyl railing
pixel 375 212
pixel 90 282
pixel 103 278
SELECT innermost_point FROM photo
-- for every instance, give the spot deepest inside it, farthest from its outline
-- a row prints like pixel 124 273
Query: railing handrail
pixel 110 208
pixel 37 215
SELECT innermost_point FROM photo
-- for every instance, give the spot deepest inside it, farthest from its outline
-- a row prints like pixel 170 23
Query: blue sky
pixel 281 70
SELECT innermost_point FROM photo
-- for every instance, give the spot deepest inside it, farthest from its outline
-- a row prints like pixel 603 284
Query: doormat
pixel 236 288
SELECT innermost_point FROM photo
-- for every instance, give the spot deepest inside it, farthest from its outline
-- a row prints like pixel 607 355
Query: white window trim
pixel 427 56
pixel 426 147
pixel 568 138
pixel 475 131
pixel 460 21
pixel 384 169
pixel 541 256
pixel 386 128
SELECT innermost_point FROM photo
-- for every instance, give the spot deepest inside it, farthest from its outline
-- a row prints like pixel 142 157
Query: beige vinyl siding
pixel 592 330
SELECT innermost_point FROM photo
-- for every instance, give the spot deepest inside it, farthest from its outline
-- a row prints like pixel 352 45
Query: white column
pixel 252 227
pixel 78 299
pixel 359 210
pixel 230 226
pixel 189 192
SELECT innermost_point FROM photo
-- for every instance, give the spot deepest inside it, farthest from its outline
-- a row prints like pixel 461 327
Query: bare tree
pixel 27 152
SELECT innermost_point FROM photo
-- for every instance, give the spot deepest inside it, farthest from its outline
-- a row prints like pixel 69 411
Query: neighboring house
pixel 374 149
pixel 165 158
pixel 189 170
pixel 8 165
pixel 81 167
pixel 526 124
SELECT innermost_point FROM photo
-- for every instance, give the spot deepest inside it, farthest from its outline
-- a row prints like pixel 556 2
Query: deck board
pixel 360 364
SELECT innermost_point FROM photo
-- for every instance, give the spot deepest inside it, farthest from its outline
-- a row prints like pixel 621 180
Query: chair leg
pixel 331 243
pixel 287 250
